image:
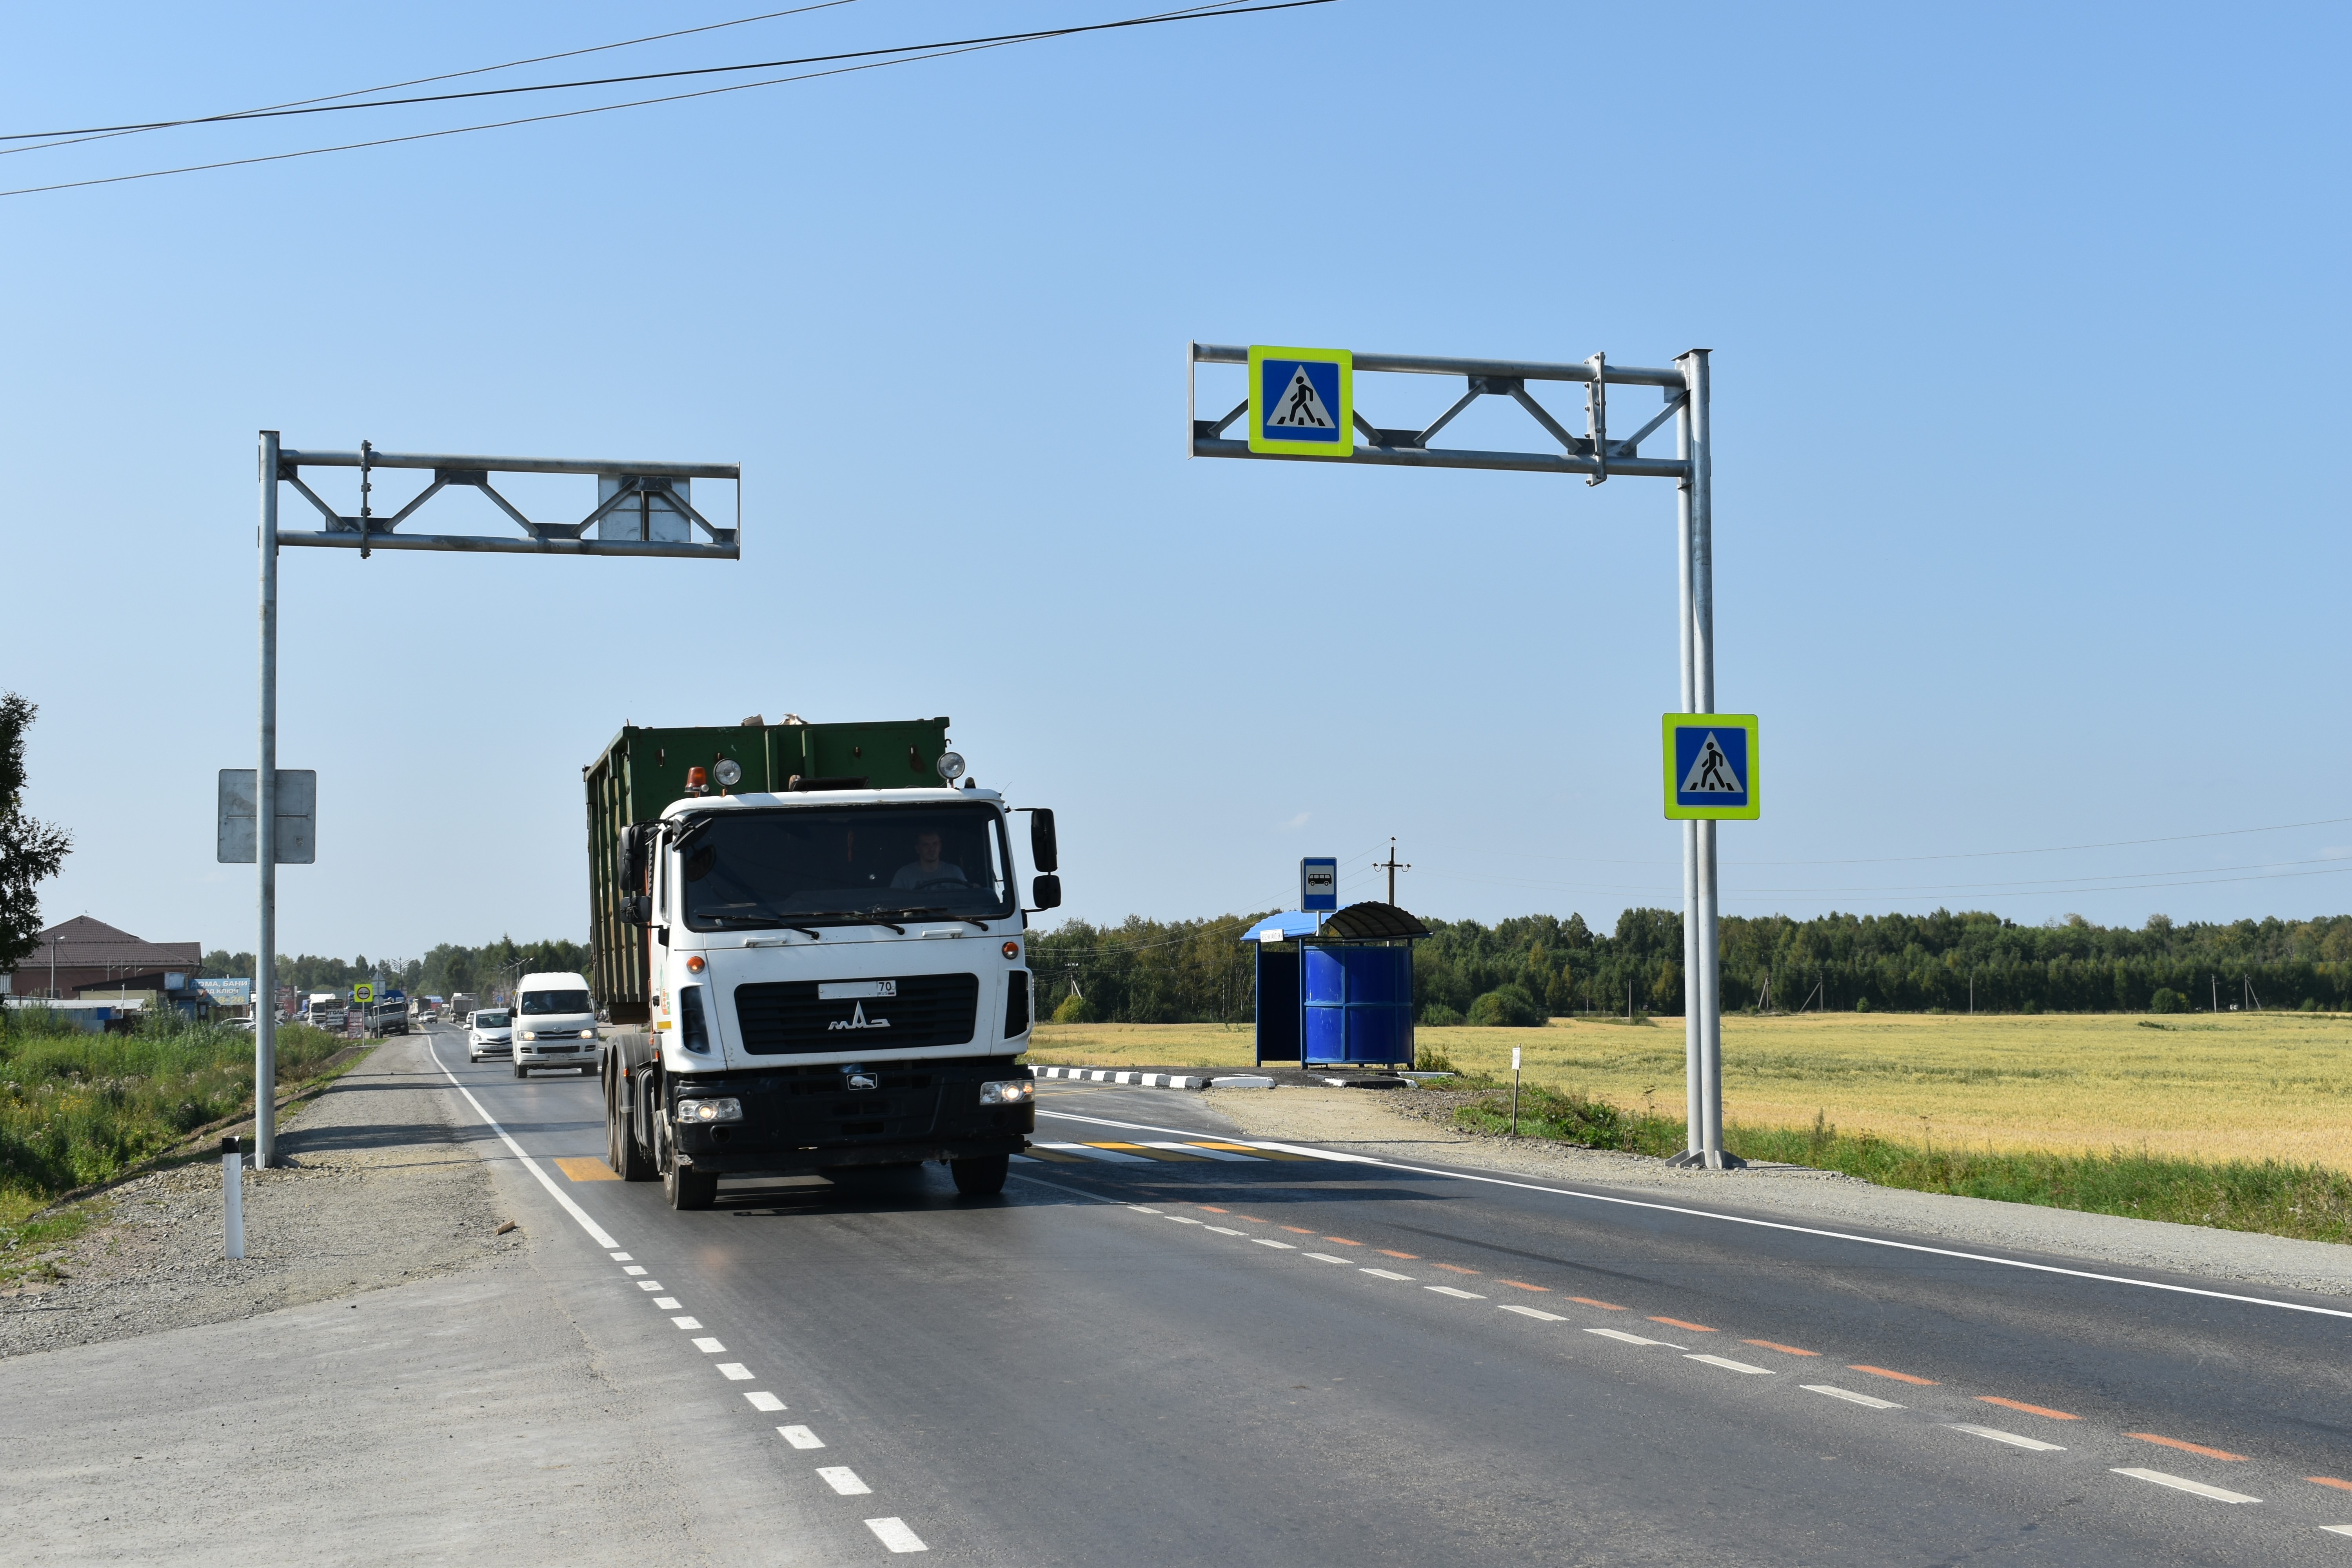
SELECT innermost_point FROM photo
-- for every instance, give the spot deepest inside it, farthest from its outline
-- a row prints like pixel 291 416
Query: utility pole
pixel 1392 866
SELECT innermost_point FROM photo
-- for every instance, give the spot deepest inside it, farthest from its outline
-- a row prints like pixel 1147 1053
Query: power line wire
pixel 103 133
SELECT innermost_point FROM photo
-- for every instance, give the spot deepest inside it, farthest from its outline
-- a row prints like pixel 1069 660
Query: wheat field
pixel 2197 1086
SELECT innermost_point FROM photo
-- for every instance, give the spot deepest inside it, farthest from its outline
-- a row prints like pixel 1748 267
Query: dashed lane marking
pixel 1384 1274
pixel 1630 1338
pixel 1341 1241
pixel 1604 1306
pixel 580 1169
pixel 623 1258
pixel 2029 1409
pixel 894 1534
pixel 1298 1230
pixel 2183 1483
pixel 1850 1396
pixel 1457 1295
pixel 842 1479
pixel 2011 1438
pixel 687 1323
pixel 649 1284
pixel 1270 1241
pixel 1184 1220
pixel 1325 1258
pixel 710 1347
pixel 1728 1364
pixel 1898 1377
pixel 1678 1324
pixel 1523 1285
pixel 1389 1252
pixel 633 1268
pixel 800 1436
pixel 734 1372
pixel 1453 1267
pixel 1226 1230
pixel 2338 1528
pixel 1784 1349
pixel 1537 1314
pixel 764 1401
pixel 666 1303
pixel 2186 1448
pixel 2329 1481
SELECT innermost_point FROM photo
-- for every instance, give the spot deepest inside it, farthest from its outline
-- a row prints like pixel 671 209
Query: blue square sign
pixel 1319 883
pixel 1711 760
pixel 1302 401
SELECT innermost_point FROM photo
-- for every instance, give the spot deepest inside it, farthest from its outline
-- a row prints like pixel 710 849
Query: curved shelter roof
pixel 1372 922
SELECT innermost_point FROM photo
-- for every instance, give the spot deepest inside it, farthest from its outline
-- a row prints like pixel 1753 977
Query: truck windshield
pixel 849 865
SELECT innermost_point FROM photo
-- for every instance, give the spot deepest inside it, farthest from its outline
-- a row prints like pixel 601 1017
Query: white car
pixel 489 1032
pixel 554 1024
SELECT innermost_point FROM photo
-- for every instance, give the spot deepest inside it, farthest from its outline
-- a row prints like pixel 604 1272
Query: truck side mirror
pixel 1043 852
pixel 636 909
pixel 1046 893
pixel 636 844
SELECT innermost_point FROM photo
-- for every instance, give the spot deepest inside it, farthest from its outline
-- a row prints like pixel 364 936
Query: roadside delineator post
pixel 232 1196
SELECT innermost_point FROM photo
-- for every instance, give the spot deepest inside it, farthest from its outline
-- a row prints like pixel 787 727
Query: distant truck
pixel 388 1015
pixel 813 945
pixel 325 1010
pixel 461 1007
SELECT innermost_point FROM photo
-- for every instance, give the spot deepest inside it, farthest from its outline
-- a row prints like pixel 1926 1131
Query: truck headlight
pixel 713 1110
pixel 1008 1092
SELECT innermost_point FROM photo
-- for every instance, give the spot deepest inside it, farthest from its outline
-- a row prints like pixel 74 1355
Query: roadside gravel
pixel 381 1188
pixel 1410 1125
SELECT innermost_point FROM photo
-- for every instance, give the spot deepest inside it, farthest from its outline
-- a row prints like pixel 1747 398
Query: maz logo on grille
pixel 857 1020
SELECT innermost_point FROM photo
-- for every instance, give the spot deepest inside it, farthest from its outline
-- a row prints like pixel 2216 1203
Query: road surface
pixel 1169 1344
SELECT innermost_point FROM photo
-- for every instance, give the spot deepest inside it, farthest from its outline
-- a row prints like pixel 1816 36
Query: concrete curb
pixel 1107 1075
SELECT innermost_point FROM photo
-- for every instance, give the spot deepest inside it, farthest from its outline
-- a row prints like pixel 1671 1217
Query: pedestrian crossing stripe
pixel 1109 1153
pixel 1302 401
pixel 1712 767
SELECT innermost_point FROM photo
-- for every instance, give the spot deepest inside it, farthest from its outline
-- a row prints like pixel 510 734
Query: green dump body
pixel 643 771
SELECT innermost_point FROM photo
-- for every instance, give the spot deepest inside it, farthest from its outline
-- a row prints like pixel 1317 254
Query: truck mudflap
pixel 815 1118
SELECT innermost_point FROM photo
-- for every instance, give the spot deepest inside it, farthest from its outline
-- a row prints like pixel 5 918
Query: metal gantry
pixel 636 500
pixel 1598 455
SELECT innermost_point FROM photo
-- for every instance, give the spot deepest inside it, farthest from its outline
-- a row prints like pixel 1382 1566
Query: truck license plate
pixel 857 990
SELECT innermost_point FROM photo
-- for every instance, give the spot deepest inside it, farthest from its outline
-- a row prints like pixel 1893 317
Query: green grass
pixel 2275 1198
pixel 77 1108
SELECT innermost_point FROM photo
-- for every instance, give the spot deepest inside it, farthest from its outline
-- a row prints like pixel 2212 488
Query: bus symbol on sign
pixel 1319 883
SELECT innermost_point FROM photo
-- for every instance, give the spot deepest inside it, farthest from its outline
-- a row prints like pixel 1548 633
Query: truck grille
pixel 788 1015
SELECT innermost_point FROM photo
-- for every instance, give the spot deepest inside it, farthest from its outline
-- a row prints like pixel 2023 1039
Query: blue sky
pixel 2027 326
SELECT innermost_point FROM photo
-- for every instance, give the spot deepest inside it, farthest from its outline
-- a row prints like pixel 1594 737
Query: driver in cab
pixel 927 869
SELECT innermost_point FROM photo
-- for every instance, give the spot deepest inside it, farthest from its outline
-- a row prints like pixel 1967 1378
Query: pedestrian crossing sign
pixel 1711 761
pixel 1302 401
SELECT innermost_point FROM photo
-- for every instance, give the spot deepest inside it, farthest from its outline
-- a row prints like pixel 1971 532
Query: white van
pixel 554 1024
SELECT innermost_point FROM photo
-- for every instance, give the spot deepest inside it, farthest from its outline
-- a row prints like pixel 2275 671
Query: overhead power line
pixel 102 133
pixel 316 106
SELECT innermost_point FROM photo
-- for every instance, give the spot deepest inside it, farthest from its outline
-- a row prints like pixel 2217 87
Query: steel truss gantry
pixel 1597 455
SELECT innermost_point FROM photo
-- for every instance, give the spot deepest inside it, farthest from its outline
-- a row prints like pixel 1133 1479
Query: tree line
pixel 449 968
pixel 1198 971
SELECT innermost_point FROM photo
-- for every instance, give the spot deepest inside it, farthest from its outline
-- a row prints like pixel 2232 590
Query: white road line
pixel 1327 1257
pixel 666 1303
pixel 1630 1338
pixel 734 1372
pixel 1728 1364
pixel 1088 1152
pixel 1205 1154
pixel 2338 1528
pixel 801 1437
pixel 2183 1483
pixel 1140 1209
pixel 1708 1214
pixel 1224 1231
pixel 1384 1274
pixel 1531 1312
pixel 765 1401
pixel 710 1347
pixel 1450 1290
pixel 649 1284
pixel 687 1323
pixel 595 1231
pixel 623 1258
pixel 1267 1241
pixel 1184 1219
pixel 895 1535
pixel 2011 1438
pixel 634 1269
pixel 1850 1396
pixel 842 1479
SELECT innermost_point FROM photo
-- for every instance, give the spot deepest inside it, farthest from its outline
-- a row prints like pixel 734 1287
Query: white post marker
pixel 1515 1091
pixel 232 1196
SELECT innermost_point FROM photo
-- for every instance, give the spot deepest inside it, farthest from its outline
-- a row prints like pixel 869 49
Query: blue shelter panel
pixel 1277 1002
pixel 1356 1003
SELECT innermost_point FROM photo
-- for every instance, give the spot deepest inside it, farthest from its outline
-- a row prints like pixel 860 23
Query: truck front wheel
pixel 982 1177
pixel 683 1185
pixel 622 1150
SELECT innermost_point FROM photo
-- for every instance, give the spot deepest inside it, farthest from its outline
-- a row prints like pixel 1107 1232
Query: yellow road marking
pixel 586 1170
pixel 1251 1150
pixel 1149 1152
pixel 1057 1156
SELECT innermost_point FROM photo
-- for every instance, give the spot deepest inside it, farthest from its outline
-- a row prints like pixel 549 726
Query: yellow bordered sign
pixel 1302 401
pixel 362 993
pixel 1711 765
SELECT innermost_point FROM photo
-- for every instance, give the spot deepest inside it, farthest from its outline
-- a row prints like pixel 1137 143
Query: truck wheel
pixel 520 1071
pixel 622 1151
pixel 981 1178
pixel 689 1188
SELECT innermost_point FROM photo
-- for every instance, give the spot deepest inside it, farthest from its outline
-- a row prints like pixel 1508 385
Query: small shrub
pixel 1434 1061
pixel 2167 1000
pixel 1074 1009
pixel 1439 1016
pixel 1507 1007
pixel 2030 1006
pixel 1861 1004
pixel 2310 1005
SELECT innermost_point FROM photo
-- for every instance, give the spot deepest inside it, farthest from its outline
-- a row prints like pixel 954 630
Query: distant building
pixel 88 958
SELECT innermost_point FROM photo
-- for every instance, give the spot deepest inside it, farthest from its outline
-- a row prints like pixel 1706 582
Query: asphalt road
pixel 1251 1355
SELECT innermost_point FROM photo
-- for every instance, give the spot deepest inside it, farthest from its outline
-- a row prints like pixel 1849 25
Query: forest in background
pixel 1535 966
pixel 445 971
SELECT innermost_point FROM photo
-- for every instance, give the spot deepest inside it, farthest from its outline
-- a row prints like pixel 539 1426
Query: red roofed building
pixel 88 955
